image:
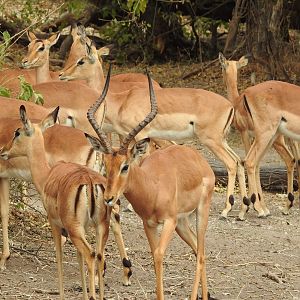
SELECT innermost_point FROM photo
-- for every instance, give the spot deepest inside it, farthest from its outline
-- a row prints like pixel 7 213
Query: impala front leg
pixel 4 208
pixel 116 227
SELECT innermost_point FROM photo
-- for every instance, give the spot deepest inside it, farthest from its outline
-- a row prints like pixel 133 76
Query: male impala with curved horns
pixel 72 195
pixel 230 69
pixel 183 113
pixel 163 188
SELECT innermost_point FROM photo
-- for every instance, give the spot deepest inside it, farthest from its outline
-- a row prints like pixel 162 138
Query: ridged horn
pixel 144 123
pixel 91 115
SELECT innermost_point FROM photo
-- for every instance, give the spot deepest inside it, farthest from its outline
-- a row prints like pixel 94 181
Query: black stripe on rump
pixel 77 197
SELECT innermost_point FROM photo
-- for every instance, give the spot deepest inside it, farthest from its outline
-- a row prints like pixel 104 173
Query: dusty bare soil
pixel 254 259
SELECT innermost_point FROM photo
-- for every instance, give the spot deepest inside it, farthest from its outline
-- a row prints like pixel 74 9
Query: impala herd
pixel 81 177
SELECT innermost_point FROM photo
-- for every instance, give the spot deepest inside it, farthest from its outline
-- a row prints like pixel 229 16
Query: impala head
pixel 38 50
pixel 118 161
pixel 29 135
pixel 78 47
pixel 85 65
pixel 231 67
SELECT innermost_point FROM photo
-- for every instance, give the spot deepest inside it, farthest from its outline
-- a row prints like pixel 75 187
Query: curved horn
pixel 145 122
pixel 91 115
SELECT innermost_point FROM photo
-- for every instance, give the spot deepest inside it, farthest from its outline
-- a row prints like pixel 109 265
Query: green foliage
pixel 27 92
pixel 136 7
pixel 31 10
pixel 5 92
pixel 4 45
pixel 76 7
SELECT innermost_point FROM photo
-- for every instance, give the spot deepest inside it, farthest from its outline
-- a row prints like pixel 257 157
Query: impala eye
pixel 125 169
pixel 80 62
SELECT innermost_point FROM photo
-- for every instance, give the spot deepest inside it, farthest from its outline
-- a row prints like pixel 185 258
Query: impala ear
pixel 222 60
pixel 54 38
pixel 139 149
pixel 95 143
pixel 89 52
pixel 31 36
pixel 103 51
pixel 243 61
pixel 28 128
pixel 50 120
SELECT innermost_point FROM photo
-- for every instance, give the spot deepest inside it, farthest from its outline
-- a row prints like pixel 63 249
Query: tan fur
pixel 58 187
pixel 183 113
pixel 164 189
pixel 61 144
pixel 244 124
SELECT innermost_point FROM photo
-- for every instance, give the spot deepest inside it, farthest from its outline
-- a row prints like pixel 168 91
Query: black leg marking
pixel 126 263
pixel 246 201
pixel 99 257
pixel 93 254
pixel 253 198
pixel 231 200
pixel 259 197
pixel 92 201
pixel 291 199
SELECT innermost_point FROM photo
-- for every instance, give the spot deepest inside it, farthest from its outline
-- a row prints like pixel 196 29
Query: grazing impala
pixel 163 188
pixel 61 144
pixel 183 113
pixel 72 196
pixel 230 69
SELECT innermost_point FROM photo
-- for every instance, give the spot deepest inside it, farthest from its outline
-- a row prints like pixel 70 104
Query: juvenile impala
pixel 72 196
pixel 183 113
pixel 230 70
pixel 164 189
pixel 61 144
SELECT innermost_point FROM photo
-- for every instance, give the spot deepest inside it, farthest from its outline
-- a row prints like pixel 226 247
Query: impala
pixel 80 39
pixel 230 70
pixel 61 144
pixel 183 113
pixel 273 109
pixel 38 58
pixel 72 196
pixel 164 188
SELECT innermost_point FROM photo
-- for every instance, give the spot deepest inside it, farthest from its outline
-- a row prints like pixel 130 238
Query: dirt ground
pixel 254 259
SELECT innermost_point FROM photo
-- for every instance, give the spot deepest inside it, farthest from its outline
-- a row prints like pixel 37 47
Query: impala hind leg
pixel 78 239
pixel 4 210
pixel 56 233
pixel 254 156
pixel 116 228
pixel 102 230
pixel 289 160
pixel 185 231
pixel 220 148
pixel 80 260
pixel 294 145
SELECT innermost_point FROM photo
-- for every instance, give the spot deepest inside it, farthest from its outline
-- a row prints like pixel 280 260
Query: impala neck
pixel 39 166
pixel 138 183
pixel 230 80
pixel 96 79
pixel 43 73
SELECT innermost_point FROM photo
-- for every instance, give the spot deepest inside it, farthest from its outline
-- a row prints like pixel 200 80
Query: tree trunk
pixel 237 14
pixel 273 179
pixel 265 36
